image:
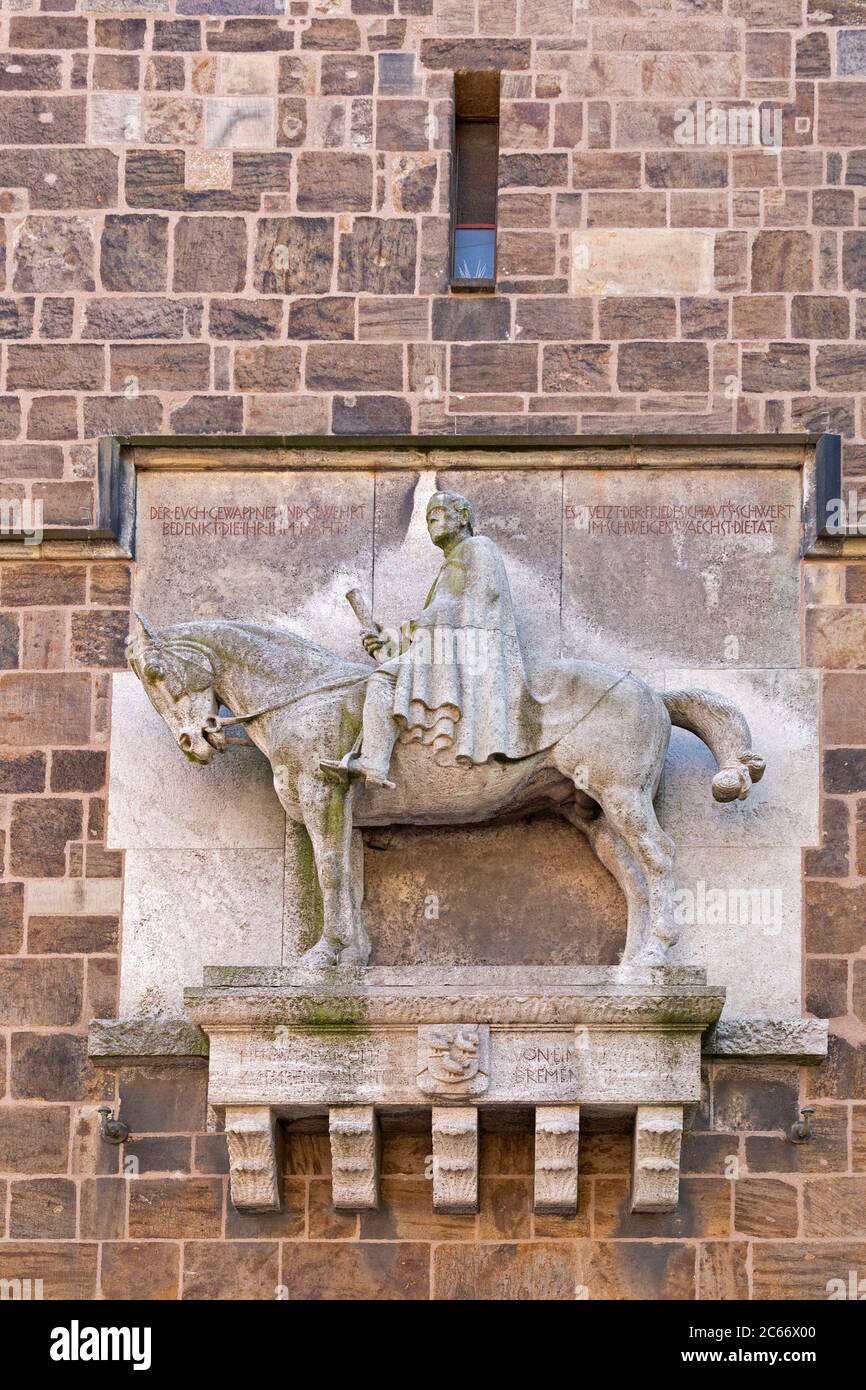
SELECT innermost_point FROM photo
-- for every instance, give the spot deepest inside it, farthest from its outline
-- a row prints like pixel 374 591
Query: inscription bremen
pixel 546 1066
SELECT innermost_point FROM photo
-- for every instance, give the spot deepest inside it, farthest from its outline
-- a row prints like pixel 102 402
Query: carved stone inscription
pixel 454 1062
pixel 294 1066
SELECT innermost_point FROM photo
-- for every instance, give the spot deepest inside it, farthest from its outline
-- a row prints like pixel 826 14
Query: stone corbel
pixel 658 1133
pixel 455 1160
pixel 557 1135
pixel 251 1136
pixel 354 1131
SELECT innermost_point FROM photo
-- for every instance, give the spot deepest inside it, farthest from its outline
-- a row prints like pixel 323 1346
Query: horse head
pixel 177 673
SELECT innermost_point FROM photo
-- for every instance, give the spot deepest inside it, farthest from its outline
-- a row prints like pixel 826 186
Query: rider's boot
pixel 379 734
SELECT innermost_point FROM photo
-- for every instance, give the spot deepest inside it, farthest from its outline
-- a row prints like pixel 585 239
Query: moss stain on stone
pixel 312 908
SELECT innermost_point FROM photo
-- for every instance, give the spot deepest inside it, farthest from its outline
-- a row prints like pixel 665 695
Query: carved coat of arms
pixel 454 1059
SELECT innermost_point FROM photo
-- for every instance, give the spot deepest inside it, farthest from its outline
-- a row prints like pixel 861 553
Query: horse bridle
pixel 214 724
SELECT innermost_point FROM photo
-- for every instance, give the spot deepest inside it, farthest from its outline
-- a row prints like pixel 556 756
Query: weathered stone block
pixel 293 255
pixel 43 1209
pixel 134 252
pixel 33 1139
pixel 239 123
pixel 321 317
pixel 267 368
pixel 841 114
pixel 663 367
pixel 245 318
pixel 782 261
pixel 38 366
pixel 334 182
pixel 371 415
pixel 39 834
pixel 344 367
pixel 41 994
pixel 164 368
pixel 576 367
pixel 840 368
pixel 494 367
pixel 230 1270
pixel 210 254
pixel 378 256
pixel 765 1207
pixel 783 367
pixel 642 261
pixel 168 1208
pixel 53 253
pixel 49 1066
pixel 171 120
pixel 135 1270
pixel 98 638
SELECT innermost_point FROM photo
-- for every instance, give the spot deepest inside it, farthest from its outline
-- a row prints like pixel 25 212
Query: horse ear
pixel 148 630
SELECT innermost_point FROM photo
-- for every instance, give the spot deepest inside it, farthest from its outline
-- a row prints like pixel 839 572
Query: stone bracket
pixel 455 1160
pixel 557 1136
pixel 354 1131
pixel 658 1133
pixel 251 1136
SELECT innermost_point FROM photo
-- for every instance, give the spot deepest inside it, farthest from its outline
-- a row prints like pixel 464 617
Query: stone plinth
pixel 561 1039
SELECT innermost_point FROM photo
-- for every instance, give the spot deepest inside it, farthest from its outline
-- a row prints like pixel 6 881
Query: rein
pixel 215 724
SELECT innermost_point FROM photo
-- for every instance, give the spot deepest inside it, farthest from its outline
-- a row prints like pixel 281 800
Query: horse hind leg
pixel 613 852
pixel 632 816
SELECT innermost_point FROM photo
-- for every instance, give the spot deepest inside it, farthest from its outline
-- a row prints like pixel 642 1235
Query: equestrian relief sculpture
pixel 455 724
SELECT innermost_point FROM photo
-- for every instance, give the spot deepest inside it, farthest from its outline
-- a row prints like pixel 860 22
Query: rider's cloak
pixel 462 684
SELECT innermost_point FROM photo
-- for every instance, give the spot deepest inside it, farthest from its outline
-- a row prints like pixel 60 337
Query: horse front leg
pixel 327 812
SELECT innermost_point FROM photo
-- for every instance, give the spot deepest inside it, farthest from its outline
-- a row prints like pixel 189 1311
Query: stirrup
pixel 372 776
pixel 343 770
pixel 336 770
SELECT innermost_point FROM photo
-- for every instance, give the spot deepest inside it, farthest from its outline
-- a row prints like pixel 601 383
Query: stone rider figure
pixel 461 685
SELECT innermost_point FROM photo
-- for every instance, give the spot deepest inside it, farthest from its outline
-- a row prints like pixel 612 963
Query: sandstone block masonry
pixel 218 221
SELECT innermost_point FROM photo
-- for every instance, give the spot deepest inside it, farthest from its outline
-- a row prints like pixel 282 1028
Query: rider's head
pixel 449 517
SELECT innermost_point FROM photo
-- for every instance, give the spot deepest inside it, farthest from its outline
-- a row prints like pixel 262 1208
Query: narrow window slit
pixel 475 180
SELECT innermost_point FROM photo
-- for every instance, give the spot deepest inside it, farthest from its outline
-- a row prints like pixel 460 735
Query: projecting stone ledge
pixel 159 1035
pixel 803 1038
pixel 285 1043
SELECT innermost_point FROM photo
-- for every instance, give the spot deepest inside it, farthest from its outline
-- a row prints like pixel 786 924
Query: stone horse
pixel 301 703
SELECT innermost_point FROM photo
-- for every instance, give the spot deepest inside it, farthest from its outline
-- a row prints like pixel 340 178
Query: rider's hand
pixel 372 643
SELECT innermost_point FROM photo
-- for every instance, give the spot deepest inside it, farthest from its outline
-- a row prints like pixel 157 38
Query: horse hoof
pixel 651 956
pixel 318 956
pixel 352 956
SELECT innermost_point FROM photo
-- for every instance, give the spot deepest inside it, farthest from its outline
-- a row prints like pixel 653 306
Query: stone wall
pixel 240 224
pixel 227 223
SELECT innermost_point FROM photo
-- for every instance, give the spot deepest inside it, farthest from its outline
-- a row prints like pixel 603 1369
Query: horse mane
pixel 182 656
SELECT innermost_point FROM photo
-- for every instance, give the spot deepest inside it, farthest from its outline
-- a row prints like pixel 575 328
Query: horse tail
pixel 723 728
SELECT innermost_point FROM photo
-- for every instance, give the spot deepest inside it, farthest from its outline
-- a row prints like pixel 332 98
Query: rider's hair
pixel 462 502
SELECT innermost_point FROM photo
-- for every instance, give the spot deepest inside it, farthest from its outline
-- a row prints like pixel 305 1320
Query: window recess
pixel 474 180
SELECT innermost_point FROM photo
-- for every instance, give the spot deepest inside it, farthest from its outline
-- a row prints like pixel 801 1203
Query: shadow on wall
pixel 492 895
